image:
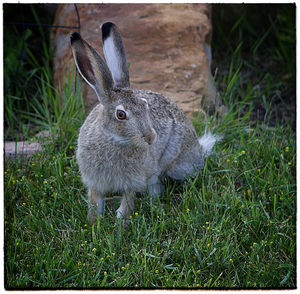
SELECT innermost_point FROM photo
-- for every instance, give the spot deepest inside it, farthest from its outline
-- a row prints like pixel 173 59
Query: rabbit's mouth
pixel 143 140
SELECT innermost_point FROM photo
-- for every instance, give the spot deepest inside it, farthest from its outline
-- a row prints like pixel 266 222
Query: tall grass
pixel 233 226
pixel 262 40
pixel 26 69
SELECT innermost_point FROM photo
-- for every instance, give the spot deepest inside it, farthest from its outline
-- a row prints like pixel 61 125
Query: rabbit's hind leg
pixel 97 204
pixel 155 187
pixel 187 164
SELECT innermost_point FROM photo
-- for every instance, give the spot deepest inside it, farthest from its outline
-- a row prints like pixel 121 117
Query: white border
pixel 1 132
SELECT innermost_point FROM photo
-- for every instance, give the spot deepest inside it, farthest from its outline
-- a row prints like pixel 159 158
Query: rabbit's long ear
pixel 91 67
pixel 115 56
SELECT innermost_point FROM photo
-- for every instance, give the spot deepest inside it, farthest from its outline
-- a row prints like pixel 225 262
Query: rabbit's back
pixel 162 107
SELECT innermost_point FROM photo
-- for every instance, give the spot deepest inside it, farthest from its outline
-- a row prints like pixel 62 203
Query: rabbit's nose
pixel 150 136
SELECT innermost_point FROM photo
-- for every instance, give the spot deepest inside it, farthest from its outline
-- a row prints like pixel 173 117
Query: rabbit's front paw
pixel 96 205
pixel 126 207
pixel 125 219
pixel 92 215
pixel 119 213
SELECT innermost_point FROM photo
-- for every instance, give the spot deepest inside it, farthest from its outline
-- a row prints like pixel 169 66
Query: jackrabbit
pixel 133 138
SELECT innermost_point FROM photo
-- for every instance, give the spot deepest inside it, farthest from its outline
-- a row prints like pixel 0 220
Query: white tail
pixel 207 141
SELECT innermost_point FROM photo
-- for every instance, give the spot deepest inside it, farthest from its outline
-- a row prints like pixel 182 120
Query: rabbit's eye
pixel 121 114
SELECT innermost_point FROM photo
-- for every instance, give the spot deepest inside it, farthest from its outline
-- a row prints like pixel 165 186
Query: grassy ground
pixel 233 226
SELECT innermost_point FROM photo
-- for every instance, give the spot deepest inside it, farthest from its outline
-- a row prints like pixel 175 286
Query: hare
pixel 133 138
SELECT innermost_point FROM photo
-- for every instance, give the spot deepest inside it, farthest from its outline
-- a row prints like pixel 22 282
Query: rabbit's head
pixel 125 113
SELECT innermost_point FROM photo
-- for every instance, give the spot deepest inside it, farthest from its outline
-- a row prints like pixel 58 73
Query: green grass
pixel 233 226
